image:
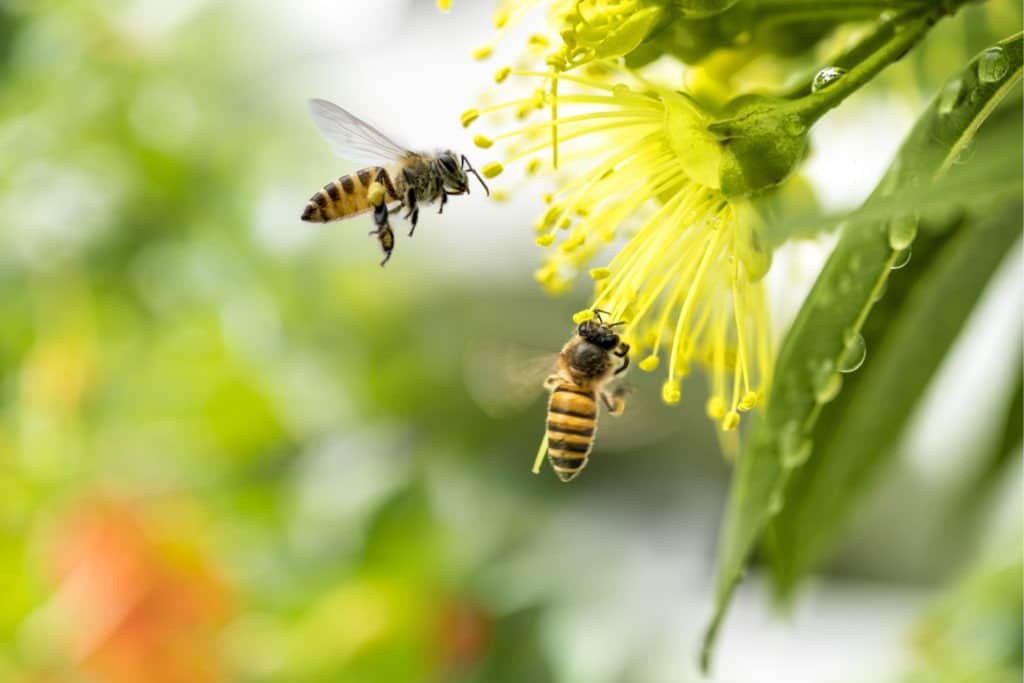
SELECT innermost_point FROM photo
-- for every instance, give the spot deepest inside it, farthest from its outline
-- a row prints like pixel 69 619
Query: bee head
pixel 453 172
pixel 598 333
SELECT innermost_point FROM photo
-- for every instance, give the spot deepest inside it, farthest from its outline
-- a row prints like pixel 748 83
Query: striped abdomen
pixel 345 197
pixel 572 421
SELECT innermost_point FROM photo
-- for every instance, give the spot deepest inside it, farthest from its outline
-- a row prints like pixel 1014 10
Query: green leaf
pixel 994 461
pixel 832 315
pixel 938 298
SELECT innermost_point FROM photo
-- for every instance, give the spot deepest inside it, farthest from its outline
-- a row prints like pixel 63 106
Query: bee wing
pixel 351 137
pixel 504 379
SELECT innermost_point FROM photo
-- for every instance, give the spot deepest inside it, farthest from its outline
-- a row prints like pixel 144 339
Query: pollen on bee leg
pixel 375 194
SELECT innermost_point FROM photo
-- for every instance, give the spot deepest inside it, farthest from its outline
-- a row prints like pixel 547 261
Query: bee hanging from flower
pixel 408 178
pixel 593 357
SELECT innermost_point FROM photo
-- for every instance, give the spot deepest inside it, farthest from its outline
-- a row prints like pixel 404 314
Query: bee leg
pixel 383 232
pixel 444 200
pixel 614 402
pixel 623 353
pixel 415 217
pixel 551 382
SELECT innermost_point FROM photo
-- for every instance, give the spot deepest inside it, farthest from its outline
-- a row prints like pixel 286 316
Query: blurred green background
pixel 232 447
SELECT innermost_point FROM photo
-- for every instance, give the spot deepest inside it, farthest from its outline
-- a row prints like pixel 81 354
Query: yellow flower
pixel 688 282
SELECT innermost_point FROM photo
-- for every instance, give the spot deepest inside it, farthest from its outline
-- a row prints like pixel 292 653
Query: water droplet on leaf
pixel 827 382
pixel 853 354
pixel 993 65
pixel 902 259
pixel 826 77
pixel 902 232
pixel 951 96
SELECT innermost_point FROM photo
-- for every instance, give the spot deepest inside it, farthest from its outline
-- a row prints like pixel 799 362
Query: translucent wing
pixel 504 379
pixel 351 137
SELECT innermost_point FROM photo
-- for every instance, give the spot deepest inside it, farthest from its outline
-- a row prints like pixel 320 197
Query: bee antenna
pixel 621 322
pixel 598 312
pixel 469 167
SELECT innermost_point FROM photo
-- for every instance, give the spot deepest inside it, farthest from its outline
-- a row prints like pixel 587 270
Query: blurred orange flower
pixel 141 604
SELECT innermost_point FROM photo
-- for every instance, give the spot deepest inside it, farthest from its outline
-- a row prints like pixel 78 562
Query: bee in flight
pixel 584 367
pixel 401 178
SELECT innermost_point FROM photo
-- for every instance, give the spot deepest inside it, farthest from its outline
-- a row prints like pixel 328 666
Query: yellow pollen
pixel 731 419
pixel 582 316
pixel 375 194
pixel 716 407
pixel 492 170
pixel 469 116
pixel 599 273
pixel 444 5
pixel 545 240
pixel 670 392
pixel 748 401
pixel 538 40
pixel 501 74
pixel 565 223
pixel 649 364
pixel 482 141
pixel 483 52
pixel 501 17
pixel 548 197
pixel 533 166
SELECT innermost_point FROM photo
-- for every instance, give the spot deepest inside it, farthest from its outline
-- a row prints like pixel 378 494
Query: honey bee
pixel 401 178
pixel 584 367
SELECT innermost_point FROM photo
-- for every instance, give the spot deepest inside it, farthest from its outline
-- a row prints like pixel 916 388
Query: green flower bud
pixel 605 29
pixel 762 141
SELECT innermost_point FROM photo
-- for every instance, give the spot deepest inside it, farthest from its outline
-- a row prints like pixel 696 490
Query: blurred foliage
pixel 229 451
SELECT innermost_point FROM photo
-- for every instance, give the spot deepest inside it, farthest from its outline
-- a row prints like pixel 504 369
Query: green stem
pixel 886 45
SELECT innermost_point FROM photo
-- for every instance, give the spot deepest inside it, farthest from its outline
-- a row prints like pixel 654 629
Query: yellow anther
pixel 501 17
pixel 548 197
pixel 469 116
pixel 483 52
pixel 565 223
pixel 500 195
pixel 649 364
pixel 533 166
pixel 582 316
pixel 670 391
pixel 444 5
pixel 716 407
pixel 599 273
pixel 731 419
pixel 482 141
pixel 539 40
pixel 748 401
pixel 501 74
pixel 492 170
pixel 545 240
